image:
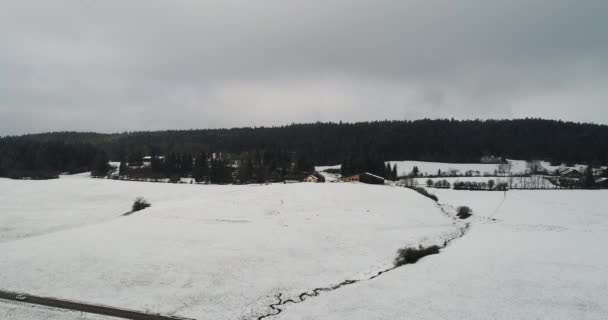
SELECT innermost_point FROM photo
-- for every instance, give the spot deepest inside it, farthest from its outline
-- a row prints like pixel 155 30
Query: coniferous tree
pixel 122 169
pixel 415 171
pixel 135 158
pixel 156 164
pixel 587 180
pixel 388 172
pixel 245 173
pixel 220 172
pixel 100 165
pixel 201 169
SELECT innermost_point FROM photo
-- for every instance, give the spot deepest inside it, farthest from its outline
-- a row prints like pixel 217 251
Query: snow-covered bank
pixel 213 252
pixel 19 311
pixel 533 255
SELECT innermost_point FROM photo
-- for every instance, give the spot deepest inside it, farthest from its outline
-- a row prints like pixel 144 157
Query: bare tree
pixel 534 167
pixel 504 169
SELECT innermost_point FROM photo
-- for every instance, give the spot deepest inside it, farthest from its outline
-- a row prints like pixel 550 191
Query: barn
pixel 364 177
pixel 570 173
pixel 602 183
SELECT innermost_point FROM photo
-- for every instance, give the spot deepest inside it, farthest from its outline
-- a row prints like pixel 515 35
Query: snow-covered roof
pixel 568 170
pixel 373 175
pixel 600 180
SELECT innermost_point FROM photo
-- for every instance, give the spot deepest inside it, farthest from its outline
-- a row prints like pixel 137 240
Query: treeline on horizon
pixel 47 154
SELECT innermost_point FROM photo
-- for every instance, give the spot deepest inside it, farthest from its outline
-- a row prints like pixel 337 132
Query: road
pixel 83 307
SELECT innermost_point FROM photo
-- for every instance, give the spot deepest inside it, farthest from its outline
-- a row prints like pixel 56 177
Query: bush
pixel 174 178
pixel 412 255
pixel 425 193
pixel 491 184
pixel 464 212
pixel 140 204
pixel 502 186
pixel 444 184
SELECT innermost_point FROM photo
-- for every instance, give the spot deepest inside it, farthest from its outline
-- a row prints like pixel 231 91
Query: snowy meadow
pixel 221 252
pixel 231 252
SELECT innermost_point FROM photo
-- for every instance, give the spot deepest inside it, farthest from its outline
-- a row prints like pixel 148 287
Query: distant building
pixel 315 177
pixel 491 159
pixel 364 177
pixel 147 160
pixel 311 178
pixel 602 182
pixel 569 173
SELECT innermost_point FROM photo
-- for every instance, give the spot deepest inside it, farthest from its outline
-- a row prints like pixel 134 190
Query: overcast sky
pixel 117 65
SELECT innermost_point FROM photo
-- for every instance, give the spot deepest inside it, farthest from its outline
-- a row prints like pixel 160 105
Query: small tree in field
pixel 464 212
pixel 491 184
pixel 140 204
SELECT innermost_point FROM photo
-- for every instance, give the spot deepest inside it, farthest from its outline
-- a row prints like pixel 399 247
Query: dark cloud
pixel 125 65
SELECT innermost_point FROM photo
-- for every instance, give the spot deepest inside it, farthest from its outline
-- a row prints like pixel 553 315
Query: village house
pixel 569 173
pixel 602 183
pixel 147 160
pixel 364 177
pixel 315 178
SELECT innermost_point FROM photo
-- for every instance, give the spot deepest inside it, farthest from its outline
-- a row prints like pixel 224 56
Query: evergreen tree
pixel 246 171
pixel 588 180
pixel 388 172
pixel 220 172
pixel 135 158
pixel 201 169
pixel 122 169
pixel 394 174
pixel 156 164
pixel 415 171
pixel 100 165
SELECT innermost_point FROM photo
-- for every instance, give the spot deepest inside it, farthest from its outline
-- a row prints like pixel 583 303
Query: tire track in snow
pixel 275 308
pixel 83 307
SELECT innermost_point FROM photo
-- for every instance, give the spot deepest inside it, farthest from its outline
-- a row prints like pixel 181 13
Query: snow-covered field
pixel 206 252
pixel 431 168
pixel 538 182
pixel 225 252
pixel 533 255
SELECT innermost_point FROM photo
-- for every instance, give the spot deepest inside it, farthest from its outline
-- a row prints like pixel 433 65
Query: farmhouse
pixel 569 173
pixel 311 178
pixel 315 177
pixel 602 183
pixel 147 160
pixel 364 177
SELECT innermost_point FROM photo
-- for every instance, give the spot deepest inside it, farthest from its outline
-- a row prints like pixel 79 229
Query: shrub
pixel 140 204
pixel 502 186
pixel 491 184
pixel 429 183
pixel 442 184
pixel 425 193
pixel 412 255
pixel 464 212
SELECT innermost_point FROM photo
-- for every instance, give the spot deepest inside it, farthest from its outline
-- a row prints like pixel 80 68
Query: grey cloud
pixel 126 65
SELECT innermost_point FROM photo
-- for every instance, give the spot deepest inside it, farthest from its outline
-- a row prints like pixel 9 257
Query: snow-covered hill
pixel 208 252
pixel 533 255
